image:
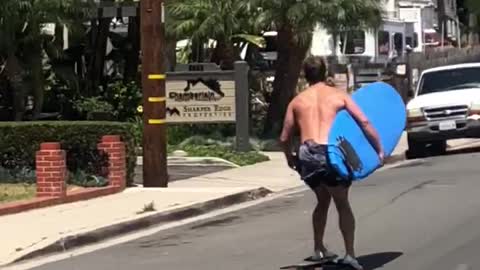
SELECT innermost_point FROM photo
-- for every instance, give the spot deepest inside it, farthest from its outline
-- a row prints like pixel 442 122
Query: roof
pixel 449 67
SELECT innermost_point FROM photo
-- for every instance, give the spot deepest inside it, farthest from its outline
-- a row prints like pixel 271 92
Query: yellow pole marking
pixel 156 76
pixel 156 99
pixel 156 121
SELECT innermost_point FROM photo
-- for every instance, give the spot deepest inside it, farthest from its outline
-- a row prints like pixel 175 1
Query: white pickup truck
pixel 446 105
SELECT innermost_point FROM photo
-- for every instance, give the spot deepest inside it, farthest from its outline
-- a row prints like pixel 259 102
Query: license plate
pixel 447 125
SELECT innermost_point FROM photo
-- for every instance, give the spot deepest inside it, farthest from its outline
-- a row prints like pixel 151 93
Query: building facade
pixel 435 21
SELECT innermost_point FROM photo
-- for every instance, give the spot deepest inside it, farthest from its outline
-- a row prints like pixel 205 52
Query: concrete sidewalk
pixel 55 229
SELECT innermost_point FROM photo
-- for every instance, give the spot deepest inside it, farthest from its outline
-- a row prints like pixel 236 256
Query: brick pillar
pixel 51 171
pixel 115 149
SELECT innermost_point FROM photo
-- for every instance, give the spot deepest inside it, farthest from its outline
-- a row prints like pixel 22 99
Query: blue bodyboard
pixel 355 158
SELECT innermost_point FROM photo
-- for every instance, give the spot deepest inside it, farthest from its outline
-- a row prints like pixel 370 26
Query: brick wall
pixel 115 149
pixel 52 171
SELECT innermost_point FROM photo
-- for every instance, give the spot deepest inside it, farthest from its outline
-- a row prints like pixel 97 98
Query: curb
pixel 110 231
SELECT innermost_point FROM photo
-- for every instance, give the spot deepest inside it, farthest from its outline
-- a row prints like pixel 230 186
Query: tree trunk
pixel 441 19
pixel 287 72
pixel 98 53
pixel 171 54
pixel 198 53
pixel 224 55
pixel 16 76
pixel 132 58
pixel 37 79
pixel 335 42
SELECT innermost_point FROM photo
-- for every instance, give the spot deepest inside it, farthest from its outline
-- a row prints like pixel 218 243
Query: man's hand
pixel 381 156
pixel 367 127
pixel 292 161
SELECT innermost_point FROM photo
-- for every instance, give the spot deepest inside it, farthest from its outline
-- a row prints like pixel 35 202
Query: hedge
pixel 20 140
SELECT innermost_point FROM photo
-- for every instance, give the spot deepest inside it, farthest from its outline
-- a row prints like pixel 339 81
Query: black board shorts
pixel 314 168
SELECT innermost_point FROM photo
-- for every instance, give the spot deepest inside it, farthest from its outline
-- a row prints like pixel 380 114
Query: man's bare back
pixel 314 111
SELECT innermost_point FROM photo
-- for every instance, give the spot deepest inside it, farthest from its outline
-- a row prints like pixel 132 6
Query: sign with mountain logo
pixel 200 101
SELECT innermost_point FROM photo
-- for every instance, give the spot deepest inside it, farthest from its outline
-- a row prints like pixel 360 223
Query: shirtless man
pixel 313 112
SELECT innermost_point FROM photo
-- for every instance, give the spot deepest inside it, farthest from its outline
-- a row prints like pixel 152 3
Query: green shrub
pixel 19 142
pixel 178 133
pixel 125 99
pixel 92 106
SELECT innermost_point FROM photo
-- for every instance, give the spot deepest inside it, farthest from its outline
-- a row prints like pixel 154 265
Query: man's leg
pixel 346 218
pixel 319 217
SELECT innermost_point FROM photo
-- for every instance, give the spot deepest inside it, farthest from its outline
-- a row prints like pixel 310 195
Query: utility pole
pixel 153 83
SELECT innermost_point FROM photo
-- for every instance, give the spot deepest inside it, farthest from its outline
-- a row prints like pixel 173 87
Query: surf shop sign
pixel 202 93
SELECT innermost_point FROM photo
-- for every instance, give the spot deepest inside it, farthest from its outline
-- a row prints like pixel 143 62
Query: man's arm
pixel 367 127
pixel 285 137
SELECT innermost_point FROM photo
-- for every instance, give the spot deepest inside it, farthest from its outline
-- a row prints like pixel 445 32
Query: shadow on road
pixel 462 151
pixel 378 260
pixel 369 262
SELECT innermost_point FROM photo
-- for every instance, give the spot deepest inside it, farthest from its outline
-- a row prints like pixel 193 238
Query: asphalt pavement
pixel 422 216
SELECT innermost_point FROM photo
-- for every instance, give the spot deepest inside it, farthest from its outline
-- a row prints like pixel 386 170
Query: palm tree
pixel 224 21
pixel 294 22
pixel 23 43
pixel 12 20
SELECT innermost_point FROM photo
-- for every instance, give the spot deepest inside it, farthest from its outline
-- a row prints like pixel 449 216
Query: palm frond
pixel 258 41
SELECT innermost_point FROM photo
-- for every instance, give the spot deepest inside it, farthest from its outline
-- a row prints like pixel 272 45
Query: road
pixel 422 216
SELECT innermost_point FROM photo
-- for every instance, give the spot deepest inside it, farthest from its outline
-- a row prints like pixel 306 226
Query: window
pixel 398 43
pixel 355 43
pixel 450 80
pixel 412 41
pixel 383 43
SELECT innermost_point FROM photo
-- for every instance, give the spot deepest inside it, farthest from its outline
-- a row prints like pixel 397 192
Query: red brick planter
pixel 115 148
pixel 52 173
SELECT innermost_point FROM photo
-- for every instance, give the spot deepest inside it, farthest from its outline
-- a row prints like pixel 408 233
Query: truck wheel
pixel 415 149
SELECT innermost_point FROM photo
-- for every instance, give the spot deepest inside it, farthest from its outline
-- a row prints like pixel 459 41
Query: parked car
pixel 445 105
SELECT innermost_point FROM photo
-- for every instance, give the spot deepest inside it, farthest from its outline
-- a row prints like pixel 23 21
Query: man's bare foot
pixel 349 260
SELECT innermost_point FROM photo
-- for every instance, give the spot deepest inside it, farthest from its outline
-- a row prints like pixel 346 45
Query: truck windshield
pixel 447 80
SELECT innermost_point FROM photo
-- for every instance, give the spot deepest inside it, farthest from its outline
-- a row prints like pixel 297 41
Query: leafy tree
pixel 295 21
pixel 24 44
pixel 227 22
